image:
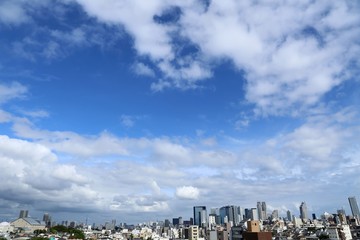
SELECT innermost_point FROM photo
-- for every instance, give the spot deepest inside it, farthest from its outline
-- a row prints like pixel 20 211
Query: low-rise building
pixel 28 225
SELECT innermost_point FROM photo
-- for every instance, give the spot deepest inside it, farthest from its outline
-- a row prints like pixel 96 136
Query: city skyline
pixel 140 110
pixel 200 216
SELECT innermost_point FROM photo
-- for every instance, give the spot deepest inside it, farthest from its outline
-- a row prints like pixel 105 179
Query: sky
pixel 139 110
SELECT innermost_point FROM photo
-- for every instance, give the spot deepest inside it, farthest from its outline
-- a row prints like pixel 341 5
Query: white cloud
pixel 146 173
pixel 138 203
pixel 32 173
pixel 76 36
pixel 127 121
pixel 69 173
pixel 149 38
pixel 72 143
pixel 142 69
pixel 210 142
pixel 12 12
pixel 11 91
pixel 35 153
pixel 290 61
pixel 35 113
pixel 187 192
pixel 5 116
pixel 160 85
pixel 284 65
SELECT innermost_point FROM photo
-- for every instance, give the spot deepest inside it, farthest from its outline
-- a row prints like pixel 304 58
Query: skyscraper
pixel 354 207
pixel 261 208
pixel 238 215
pixel 23 214
pixel 275 214
pixel 303 211
pixel 288 215
pixel 200 216
pixel 229 214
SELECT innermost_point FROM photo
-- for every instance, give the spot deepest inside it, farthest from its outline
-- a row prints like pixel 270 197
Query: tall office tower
pixel 229 214
pixel 354 207
pixel 23 214
pixel 215 212
pixel 223 215
pixel 47 219
pixel 238 215
pixel 288 215
pixel 303 211
pixel 275 214
pixel 263 204
pixel 200 216
pixel 261 208
pixel 175 222
pixel 247 213
pixel 232 214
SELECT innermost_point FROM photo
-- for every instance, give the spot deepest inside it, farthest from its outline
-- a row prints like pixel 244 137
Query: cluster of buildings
pixel 224 223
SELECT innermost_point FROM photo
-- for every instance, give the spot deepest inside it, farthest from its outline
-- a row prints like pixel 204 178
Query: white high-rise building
pixel 254 214
pixel 354 207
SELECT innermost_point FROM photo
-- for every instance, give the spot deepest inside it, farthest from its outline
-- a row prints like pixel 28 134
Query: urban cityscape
pixel 179 119
pixel 224 223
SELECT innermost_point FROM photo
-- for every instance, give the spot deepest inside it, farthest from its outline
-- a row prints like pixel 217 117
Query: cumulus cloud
pixel 290 60
pixel 187 192
pixel 32 174
pixel 33 152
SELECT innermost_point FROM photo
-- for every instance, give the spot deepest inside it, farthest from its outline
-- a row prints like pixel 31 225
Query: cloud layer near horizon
pixel 66 171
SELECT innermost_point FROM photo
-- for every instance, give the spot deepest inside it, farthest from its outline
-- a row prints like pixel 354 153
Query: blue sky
pixel 139 111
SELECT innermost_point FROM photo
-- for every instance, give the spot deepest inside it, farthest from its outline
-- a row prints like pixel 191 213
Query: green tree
pixel 59 228
pixel 39 231
pixel 76 234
